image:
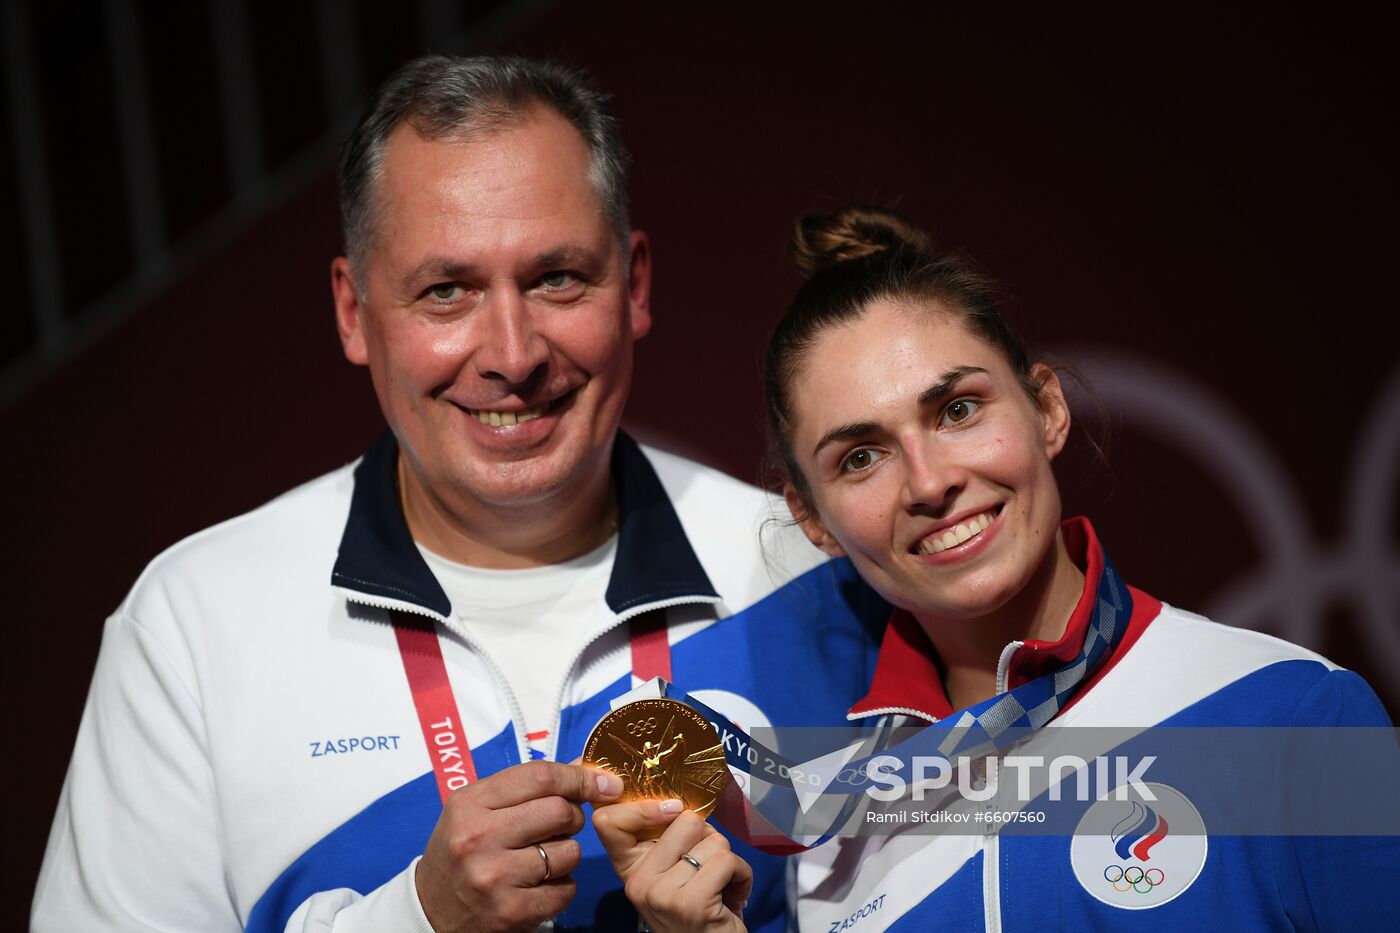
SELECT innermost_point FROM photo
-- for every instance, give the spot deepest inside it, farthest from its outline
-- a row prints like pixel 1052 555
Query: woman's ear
pixel 1054 409
pixel 810 523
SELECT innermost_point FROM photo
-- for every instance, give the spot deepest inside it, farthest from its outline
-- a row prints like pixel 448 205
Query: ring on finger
pixel 691 860
pixel 544 857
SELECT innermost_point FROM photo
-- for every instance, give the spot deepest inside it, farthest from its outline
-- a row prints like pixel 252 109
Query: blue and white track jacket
pixel 250 757
pixel 1171 669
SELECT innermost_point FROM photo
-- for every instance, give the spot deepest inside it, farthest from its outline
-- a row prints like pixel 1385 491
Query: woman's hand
pixel 687 880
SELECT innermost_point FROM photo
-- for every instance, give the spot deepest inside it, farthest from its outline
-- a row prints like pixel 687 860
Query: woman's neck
pixel 969 649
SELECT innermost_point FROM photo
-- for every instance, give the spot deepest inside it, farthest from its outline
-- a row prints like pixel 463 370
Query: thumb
pixel 597 785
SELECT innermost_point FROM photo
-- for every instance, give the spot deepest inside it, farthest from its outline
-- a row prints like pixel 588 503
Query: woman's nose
pixel 930 478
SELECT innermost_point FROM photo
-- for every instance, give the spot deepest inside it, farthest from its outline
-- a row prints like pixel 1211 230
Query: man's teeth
pixel 957 534
pixel 499 419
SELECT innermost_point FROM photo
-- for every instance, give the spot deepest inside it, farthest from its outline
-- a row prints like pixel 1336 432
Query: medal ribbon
pixel 651 648
pixel 443 730
pixel 979 730
pixel 436 706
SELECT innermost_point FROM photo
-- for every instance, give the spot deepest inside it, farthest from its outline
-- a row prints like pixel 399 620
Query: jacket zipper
pixel 624 616
pixel 517 714
pixel 991 882
pixel 1004 664
pixel 894 711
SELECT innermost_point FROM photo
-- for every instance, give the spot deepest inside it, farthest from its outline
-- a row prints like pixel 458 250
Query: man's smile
pixel 510 417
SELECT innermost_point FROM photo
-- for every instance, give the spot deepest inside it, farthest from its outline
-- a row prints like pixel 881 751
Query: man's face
pixel 498 313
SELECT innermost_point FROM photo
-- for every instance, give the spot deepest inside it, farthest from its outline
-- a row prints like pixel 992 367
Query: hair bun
pixel 820 241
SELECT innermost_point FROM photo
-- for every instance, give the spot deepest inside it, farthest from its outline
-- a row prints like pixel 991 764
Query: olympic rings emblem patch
pixel 1134 878
pixel 1135 854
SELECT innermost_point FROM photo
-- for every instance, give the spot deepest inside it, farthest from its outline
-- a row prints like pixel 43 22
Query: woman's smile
pixel 947 536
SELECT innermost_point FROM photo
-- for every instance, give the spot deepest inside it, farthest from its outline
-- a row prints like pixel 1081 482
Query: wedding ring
pixel 692 860
pixel 544 856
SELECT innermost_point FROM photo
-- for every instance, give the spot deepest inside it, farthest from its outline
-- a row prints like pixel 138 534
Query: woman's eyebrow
pixel 945 385
pixel 845 432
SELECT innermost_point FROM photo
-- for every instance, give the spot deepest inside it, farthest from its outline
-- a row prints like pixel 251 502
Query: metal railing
pixel 59 322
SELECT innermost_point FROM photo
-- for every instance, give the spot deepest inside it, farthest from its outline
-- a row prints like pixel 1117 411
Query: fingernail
pixel 672 806
pixel 609 785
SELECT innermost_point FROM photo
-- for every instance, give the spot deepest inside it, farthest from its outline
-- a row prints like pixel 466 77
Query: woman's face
pixel 927 462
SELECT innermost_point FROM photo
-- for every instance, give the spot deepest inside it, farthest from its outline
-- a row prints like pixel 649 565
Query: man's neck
pixel 509 537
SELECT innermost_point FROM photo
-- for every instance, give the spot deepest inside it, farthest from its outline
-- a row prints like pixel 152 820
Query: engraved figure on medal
pixel 653 769
pixel 646 744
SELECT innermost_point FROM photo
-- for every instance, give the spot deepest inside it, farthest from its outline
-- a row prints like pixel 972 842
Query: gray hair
pixel 444 97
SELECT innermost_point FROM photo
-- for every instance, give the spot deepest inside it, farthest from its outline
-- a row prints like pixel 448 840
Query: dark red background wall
pixel 1202 199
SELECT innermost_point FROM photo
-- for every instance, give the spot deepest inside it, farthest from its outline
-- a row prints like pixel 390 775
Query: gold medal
pixel 661 749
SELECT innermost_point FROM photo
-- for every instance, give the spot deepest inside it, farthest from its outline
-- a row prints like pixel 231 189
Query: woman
pixel 915 437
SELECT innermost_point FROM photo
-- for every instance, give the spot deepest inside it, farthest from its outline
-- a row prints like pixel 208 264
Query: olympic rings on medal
pixel 642 727
pixel 1133 878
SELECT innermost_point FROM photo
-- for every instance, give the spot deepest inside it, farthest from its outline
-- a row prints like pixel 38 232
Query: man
pixel 350 708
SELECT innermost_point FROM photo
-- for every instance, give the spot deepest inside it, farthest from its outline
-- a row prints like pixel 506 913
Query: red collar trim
pixel 906 673
pixel 1036 658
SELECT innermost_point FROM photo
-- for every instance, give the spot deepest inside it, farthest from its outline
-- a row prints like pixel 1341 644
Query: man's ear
pixel 1054 409
pixel 810 523
pixel 349 312
pixel 639 284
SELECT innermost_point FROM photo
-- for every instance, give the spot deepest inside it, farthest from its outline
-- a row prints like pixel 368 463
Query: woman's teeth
pixel 957 534
pixel 506 418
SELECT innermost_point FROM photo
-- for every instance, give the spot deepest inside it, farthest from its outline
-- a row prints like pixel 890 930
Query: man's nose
pixel 931 477
pixel 511 348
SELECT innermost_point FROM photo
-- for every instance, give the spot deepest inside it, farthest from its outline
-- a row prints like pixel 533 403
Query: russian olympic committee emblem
pixel 1136 853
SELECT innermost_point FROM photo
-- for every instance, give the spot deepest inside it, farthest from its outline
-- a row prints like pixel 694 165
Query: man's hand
pixel 481 870
pixel 688 880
